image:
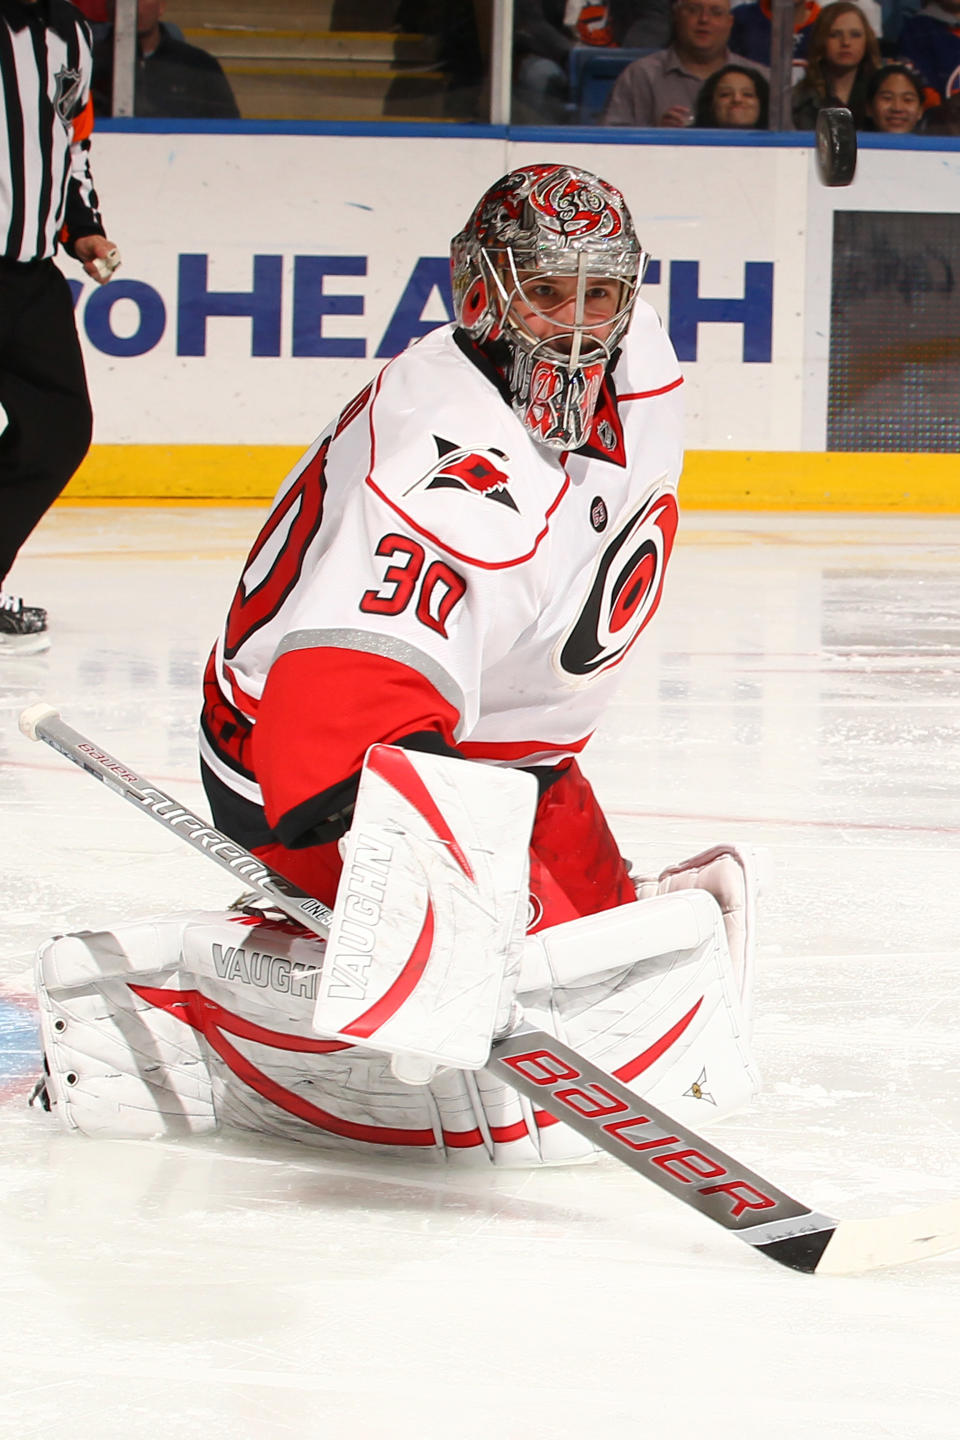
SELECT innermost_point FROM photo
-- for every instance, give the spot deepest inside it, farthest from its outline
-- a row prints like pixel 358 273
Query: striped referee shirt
pixel 46 188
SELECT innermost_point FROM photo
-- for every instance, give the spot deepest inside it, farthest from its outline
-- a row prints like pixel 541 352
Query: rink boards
pixel 269 273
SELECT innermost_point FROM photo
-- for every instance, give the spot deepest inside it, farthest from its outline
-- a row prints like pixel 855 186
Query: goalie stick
pixel 572 1089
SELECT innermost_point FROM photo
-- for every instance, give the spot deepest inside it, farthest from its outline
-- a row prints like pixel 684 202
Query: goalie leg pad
pixel 668 1021
pixel 175 1026
pixel 731 875
pixel 116 1065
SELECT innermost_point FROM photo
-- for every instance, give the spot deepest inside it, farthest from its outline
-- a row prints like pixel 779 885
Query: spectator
pixel 931 42
pixel 895 99
pixel 462 32
pixel 172 78
pixel 642 24
pixel 96 11
pixel 753 28
pixel 661 89
pixel 541 47
pixel 594 26
pixel 634 24
pixel 943 119
pixel 894 14
pixel 734 98
pixel 47 201
pixel 842 55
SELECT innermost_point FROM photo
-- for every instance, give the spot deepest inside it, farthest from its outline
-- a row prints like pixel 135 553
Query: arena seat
pixel 593 70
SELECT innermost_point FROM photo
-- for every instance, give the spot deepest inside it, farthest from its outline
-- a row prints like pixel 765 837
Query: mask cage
pixel 505 280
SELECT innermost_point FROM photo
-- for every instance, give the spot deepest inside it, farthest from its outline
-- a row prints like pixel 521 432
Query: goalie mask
pixel 545 276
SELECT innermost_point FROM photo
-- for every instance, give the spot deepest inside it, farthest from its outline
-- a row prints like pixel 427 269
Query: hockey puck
pixel 836 145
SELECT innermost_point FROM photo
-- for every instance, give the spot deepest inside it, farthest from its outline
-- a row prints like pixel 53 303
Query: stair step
pixel 265 95
pixel 285 14
pixel 343 79
pixel 249 42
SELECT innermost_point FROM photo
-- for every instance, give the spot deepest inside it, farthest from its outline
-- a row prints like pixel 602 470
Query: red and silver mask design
pixel 541 229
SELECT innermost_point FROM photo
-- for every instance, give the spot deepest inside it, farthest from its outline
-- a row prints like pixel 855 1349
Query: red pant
pixel 575 866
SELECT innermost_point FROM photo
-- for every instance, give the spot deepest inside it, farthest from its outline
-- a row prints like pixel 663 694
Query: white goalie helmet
pixel 525 268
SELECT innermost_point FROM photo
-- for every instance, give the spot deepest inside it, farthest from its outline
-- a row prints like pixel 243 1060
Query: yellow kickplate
pixel 712 479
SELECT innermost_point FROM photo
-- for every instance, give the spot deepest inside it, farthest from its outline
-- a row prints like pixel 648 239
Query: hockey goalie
pixel 428 629
pixel 375 1039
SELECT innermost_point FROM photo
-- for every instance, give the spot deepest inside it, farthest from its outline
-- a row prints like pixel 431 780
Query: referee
pixel 47 200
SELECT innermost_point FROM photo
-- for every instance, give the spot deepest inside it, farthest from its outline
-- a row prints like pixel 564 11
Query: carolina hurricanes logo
pixel 476 471
pixel 624 593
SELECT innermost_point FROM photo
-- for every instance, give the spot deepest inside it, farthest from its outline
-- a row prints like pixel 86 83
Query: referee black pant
pixel 43 389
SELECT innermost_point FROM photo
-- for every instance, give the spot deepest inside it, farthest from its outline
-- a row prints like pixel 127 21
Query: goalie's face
pixel 562 328
pixel 555 308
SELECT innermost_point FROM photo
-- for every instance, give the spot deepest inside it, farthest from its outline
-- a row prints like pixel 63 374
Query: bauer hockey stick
pixel 572 1089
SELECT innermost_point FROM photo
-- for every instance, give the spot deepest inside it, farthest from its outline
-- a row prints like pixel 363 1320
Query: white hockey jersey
pixel 429 568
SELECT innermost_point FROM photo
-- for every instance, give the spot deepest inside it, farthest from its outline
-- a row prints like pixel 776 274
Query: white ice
pixel 798 690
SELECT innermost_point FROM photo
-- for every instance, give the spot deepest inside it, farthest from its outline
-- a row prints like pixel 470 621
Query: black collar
pixel 482 360
pixel 485 362
pixel 56 15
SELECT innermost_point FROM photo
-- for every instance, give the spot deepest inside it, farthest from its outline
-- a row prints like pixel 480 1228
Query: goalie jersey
pixel 430 574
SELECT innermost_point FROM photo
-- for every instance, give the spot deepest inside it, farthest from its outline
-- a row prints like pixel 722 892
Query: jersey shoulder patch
pixel 458 467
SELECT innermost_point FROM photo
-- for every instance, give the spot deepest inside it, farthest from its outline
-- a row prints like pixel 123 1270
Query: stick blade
pixel 859 1245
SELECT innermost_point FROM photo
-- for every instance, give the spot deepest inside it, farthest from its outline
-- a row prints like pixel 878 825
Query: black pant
pixel 43 389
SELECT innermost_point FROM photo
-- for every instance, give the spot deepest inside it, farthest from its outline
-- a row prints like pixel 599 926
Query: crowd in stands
pixel 172 79
pixel 706 62
pixel 894 63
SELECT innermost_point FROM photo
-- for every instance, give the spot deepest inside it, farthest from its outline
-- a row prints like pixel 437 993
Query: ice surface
pixel 800 690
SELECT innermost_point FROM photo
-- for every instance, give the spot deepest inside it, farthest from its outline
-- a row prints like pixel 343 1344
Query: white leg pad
pixel 169 1027
pixel 731 875
pixel 117 1065
pixel 174 1026
pixel 667 1019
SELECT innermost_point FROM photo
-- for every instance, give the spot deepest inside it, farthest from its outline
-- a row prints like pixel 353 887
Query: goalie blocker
pixel 176 1025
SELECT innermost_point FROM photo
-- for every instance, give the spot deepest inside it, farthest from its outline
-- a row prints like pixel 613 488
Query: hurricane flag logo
pixel 476 471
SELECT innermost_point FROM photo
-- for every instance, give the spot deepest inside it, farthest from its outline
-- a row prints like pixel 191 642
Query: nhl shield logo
pixel 607 435
pixel 66 99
